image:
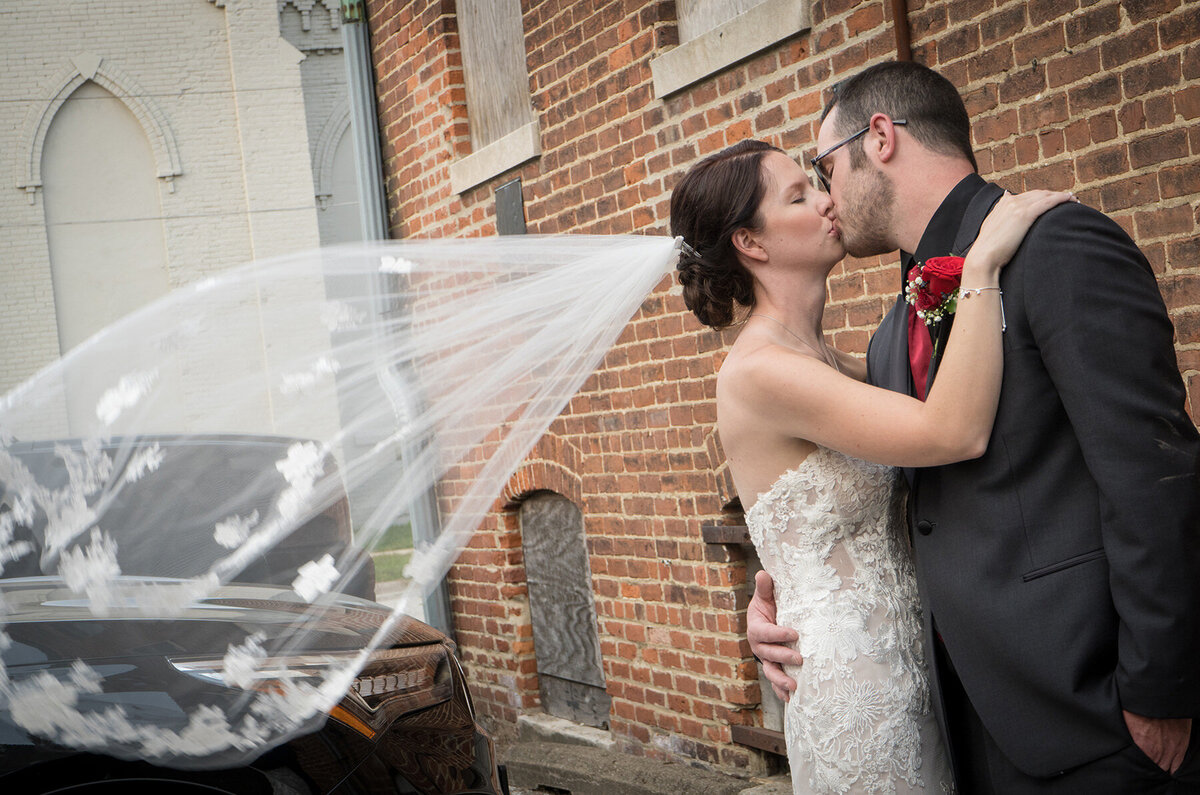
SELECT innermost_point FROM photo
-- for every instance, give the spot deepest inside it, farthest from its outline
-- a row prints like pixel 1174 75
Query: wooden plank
pixel 725 534
pixel 574 701
pixel 560 590
pixel 760 738
pixel 562 609
pixel 492 36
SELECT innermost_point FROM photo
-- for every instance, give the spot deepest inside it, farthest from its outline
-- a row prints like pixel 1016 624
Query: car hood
pixel 48 623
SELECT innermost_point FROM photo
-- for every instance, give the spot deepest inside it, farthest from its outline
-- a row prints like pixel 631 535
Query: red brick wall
pixel 423 113
pixel 1098 96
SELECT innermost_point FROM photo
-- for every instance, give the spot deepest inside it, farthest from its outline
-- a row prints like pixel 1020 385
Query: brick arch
pixel 552 465
pixel 85 67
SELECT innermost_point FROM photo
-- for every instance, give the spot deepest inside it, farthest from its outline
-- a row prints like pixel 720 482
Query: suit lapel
pixel 887 358
pixel 981 204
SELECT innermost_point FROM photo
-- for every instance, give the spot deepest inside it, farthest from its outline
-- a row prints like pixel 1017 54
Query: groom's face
pixel 863 198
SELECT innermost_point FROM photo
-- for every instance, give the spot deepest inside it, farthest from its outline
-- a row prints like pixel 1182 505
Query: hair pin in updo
pixel 687 249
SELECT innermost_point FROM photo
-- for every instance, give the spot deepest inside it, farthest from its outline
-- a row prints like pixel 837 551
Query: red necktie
pixel 920 351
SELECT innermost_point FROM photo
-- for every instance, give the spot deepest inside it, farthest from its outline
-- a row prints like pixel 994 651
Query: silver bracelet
pixel 966 293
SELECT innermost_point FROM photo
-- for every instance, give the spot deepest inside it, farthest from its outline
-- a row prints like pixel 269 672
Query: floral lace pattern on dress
pixel 831 535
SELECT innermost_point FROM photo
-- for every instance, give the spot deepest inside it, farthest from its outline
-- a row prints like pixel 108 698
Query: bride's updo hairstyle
pixel 718 196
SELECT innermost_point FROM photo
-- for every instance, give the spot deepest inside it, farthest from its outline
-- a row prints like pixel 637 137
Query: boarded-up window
pixel 715 34
pixel 697 17
pixel 493 51
pixel 563 611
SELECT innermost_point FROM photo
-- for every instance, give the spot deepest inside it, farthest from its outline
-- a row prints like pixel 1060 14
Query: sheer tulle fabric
pixel 390 367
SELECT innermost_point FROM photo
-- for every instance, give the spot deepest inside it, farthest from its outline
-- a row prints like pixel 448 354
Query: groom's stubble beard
pixel 866 212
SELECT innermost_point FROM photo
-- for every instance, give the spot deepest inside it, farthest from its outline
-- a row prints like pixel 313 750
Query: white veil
pixel 210 439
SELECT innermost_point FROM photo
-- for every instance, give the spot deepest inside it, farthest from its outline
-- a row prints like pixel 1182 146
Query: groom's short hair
pixel 906 90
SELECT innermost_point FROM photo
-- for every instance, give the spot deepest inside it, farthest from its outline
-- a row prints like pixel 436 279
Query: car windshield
pixel 196 480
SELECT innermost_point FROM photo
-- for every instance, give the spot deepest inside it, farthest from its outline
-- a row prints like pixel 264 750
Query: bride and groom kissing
pixel 992 525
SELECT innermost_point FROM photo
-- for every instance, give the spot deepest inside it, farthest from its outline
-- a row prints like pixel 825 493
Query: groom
pixel 1060 571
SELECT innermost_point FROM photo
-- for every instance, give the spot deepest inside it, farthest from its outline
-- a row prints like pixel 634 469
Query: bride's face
pixel 797 219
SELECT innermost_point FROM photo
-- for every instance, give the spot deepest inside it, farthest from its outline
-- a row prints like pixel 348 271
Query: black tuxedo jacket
pixel 1062 568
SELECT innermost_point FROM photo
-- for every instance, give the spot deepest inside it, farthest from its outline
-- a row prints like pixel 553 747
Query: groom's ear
pixel 881 141
pixel 747 244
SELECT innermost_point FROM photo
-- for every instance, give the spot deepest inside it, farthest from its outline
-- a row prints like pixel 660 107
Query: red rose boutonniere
pixel 932 288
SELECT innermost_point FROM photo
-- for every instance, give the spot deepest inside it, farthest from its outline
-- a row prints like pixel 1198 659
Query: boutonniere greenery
pixel 932 288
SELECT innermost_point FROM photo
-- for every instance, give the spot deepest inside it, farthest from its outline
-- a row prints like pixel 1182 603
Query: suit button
pixel 924 527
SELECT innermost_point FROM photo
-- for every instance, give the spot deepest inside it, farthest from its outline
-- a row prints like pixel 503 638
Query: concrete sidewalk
pixel 562 757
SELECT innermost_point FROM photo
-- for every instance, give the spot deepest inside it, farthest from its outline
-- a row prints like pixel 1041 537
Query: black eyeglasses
pixel 815 162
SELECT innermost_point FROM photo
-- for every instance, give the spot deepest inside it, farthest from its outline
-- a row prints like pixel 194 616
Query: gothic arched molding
pixel 85 67
pixel 327 143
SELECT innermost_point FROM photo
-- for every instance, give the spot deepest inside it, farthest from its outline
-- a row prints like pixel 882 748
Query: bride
pixel 813 451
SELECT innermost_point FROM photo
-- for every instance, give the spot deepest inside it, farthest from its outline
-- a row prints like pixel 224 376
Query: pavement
pixel 555 756
pixel 552 755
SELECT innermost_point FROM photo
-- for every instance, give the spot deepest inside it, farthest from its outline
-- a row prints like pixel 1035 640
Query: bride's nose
pixel 825 206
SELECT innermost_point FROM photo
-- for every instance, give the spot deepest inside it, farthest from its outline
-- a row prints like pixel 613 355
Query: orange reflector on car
pixel 343 716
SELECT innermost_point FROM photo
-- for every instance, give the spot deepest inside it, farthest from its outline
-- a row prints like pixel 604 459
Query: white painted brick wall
pixel 246 187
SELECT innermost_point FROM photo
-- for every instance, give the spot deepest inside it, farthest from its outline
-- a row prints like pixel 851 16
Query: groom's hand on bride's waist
pixel 1164 740
pixel 769 642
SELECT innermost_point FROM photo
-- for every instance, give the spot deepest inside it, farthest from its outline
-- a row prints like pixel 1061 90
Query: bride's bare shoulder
pixel 750 404
pixel 759 366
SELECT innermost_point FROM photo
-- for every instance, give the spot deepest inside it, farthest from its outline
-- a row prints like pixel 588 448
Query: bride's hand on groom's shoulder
pixel 769 642
pixel 1006 225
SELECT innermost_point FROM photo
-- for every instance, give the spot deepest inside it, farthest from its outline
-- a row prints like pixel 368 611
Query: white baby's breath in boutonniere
pixel 932 288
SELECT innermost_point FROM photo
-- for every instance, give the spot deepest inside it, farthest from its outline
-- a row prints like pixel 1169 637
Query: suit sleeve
pixel 1099 322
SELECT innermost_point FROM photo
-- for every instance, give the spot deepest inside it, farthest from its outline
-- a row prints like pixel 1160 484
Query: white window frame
pixel 520 145
pixel 750 32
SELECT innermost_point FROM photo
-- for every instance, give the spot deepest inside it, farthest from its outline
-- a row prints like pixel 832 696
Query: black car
pixel 407 724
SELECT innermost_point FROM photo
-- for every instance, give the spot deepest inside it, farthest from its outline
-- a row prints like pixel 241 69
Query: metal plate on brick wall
pixel 510 209
pixel 563 611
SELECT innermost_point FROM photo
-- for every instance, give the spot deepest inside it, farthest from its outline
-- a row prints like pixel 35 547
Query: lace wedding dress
pixel 831 534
